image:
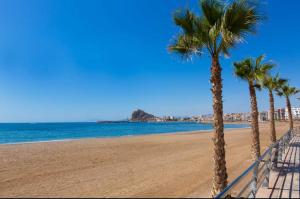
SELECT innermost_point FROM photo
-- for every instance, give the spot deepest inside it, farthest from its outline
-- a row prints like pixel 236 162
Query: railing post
pixel 276 154
pixel 272 156
pixel 253 186
pixel 291 134
pixel 280 150
pixel 285 138
pixel 289 137
pixel 269 165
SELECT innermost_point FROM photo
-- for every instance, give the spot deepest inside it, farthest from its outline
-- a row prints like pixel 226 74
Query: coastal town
pixel 149 99
pixel 281 114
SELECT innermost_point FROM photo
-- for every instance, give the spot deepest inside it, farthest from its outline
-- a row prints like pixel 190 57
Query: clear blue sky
pixel 74 60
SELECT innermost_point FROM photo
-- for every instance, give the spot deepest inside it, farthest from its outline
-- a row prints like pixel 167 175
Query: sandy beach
pixel 173 165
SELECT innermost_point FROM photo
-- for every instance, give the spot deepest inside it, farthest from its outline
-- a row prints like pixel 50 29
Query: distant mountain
pixel 140 115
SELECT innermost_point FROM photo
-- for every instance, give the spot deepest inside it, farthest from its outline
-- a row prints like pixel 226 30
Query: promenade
pixel 284 179
pixel 276 174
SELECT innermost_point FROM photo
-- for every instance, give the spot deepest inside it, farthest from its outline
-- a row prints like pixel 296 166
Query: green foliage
pixel 253 70
pixel 272 83
pixel 220 27
pixel 287 90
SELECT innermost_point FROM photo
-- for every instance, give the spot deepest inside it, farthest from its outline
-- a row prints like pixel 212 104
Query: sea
pixel 13 133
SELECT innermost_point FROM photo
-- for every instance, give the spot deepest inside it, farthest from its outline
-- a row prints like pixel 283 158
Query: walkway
pixel 284 179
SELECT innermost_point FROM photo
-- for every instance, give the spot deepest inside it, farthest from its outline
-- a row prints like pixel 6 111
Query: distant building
pixel 157 119
pixel 195 118
pixel 236 117
pixel 232 117
pixel 295 113
pixel 263 116
pixel 245 116
pixel 280 114
pixel 206 118
pixel 227 117
pixel 169 119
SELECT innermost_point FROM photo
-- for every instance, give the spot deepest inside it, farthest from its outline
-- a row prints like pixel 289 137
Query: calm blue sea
pixel 37 132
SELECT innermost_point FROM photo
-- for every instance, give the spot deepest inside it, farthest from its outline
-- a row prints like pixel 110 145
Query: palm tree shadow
pixel 286 167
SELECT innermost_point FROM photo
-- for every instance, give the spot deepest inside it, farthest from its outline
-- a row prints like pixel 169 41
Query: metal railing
pixel 257 175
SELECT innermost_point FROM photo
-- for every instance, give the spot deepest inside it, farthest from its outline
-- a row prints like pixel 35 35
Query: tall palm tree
pixel 252 70
pixel 219 27
pixel 271 84
pixel 287 91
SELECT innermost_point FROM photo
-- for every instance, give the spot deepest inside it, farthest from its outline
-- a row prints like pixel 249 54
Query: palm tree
pixel 287 91
pixel 252 70
pixel 220 27
pixel 272 83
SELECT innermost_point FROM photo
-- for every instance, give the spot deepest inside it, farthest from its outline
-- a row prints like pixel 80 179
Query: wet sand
pixel 173 165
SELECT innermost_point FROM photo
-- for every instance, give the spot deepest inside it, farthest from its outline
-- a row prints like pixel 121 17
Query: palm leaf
pixel 187 46
pixel 287 90
pixel 254 70
pixel 217 29
pixel 185 20
pixel 212 10
pixel 239 20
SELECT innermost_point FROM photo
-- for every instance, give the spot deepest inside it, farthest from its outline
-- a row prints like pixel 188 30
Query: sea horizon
pixel 20 133
pixel 149 99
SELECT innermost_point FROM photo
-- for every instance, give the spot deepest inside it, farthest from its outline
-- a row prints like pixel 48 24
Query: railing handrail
pixel 231 185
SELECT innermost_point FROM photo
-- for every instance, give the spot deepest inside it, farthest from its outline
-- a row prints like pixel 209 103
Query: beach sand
pixel 173 165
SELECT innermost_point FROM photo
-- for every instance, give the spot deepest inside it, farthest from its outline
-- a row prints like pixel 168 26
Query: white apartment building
pixel 263 116
pixel 279 114
pixel 295 113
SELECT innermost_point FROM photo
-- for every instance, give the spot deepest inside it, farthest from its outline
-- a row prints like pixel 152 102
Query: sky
pixel 71 60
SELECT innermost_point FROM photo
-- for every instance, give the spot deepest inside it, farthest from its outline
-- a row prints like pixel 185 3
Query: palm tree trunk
pixel 272 119
pixel 272 126
pixel 288 104
pixel 220 173
pixel 255 147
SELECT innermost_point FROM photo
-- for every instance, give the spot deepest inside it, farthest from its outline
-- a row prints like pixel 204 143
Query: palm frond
pixel 186 46
pixel 294 91
pixel 266 82
pixel 185 19
pixel 212 10
pixel 259 59
pixel 239 20
pixel 279 82
pixel 219 27
pixel 279 93
pixel 287 90
pixel 266 68
pixel 242 69
pixel 254 70
pixel 214 31
pixel 258 86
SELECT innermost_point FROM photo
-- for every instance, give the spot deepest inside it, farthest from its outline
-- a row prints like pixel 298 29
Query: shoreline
pixel 158 165
pixel 115 137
